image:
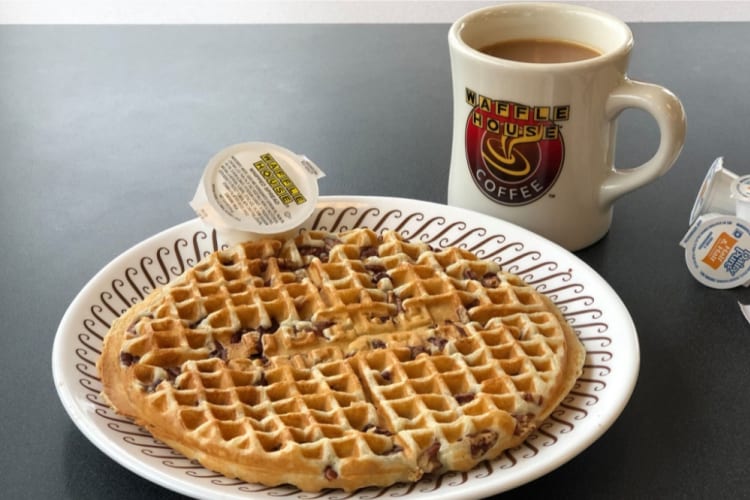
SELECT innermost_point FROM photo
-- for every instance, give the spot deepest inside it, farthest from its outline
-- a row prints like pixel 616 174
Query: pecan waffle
pixel 340 360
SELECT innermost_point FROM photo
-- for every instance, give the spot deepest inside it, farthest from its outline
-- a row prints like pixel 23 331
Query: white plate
pixel 594 310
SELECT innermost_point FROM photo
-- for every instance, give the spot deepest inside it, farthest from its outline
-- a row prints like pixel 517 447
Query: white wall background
pixel 330 11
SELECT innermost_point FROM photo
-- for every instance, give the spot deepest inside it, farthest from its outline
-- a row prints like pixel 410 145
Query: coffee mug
pixel 537 89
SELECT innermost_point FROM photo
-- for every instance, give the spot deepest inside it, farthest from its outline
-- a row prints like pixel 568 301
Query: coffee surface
pixel 540 50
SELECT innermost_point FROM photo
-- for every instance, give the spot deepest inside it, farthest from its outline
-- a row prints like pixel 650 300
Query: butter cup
pixel 256 188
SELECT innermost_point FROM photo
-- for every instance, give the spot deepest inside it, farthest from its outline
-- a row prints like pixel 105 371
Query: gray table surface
pixel 104 133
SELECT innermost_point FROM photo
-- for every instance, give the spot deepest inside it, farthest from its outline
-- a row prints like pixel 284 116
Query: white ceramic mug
pixel 533 143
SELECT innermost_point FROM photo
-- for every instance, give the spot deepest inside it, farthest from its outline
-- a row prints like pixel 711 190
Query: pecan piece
pixel 392 298
pixel 219 351
pixel 416 350
pixel 316 328
pixel 464 397
pixel 377 344
pixel 260 331
pixel 313 251
pixel 481 442
pixel 377 430
pixel 377 272
pixel 429 460
pixel 522 422
pixel 490 280
pixel 172 373
pixel 329 473
pixel 438 342
pixel 529 397
pixel 368 251
pixel 127 359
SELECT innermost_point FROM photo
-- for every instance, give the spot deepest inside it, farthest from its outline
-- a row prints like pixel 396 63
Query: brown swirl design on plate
pixel 547 276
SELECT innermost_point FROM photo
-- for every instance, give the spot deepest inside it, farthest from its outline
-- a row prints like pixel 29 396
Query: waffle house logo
pixel 515 151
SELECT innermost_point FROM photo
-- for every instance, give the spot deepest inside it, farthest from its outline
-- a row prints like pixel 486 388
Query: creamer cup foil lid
pixel 717 251
pixel 257 188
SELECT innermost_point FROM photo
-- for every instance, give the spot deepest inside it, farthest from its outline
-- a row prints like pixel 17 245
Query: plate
pixel 593 309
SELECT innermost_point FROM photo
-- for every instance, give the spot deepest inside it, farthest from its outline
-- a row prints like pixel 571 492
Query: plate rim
pixel 568 451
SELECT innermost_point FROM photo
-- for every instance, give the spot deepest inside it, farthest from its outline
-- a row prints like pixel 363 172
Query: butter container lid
pixel 717 251
pixel 257 188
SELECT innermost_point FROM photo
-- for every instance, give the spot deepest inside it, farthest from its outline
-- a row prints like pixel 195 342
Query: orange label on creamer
pixel 719 251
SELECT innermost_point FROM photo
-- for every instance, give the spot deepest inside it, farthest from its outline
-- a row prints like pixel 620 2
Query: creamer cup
pixel 256 188
pixel 717 251
pixel 741 196
pixel 714 195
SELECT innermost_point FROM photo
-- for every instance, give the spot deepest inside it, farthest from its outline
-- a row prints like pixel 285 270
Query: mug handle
pixel 669 114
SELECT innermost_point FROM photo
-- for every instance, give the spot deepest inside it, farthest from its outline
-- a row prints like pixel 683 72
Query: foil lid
pixel 256 188
pixel 717 251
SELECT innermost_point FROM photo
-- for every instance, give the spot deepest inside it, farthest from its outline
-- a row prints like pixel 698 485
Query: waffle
pixel 340 361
